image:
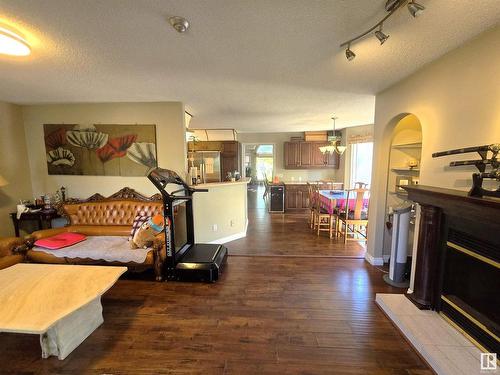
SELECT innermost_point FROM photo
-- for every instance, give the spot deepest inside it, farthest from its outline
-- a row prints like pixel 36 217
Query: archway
pixel 404 141
pixel 394 130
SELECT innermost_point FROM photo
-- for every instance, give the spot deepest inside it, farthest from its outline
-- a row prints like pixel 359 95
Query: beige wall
pixel 170 132
pixel 223 205
pixel 457 101
pixel 278 140
pixel 14 165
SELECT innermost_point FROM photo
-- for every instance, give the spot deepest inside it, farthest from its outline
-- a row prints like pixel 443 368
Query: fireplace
pixel 470 292
pixel 458 262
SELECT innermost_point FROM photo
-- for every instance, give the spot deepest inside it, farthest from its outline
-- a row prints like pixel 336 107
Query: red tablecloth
pixel 331 199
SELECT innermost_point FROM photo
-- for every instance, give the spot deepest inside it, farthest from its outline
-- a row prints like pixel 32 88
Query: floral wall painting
pixel 100 150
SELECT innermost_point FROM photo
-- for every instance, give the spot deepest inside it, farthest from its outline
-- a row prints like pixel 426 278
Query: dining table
pixel 330 200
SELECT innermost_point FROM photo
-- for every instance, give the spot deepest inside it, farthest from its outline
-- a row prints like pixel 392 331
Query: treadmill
pixel 186 261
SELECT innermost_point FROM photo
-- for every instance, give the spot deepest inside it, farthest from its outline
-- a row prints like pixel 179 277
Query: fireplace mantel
pixel 455 202
pixel 459 235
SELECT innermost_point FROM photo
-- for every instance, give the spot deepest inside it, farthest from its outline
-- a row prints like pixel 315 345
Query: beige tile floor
pixel 444 348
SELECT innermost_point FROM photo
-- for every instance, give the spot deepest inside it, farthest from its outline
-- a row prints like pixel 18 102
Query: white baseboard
pixel 374 261
pixel 233 237
pixel 386 258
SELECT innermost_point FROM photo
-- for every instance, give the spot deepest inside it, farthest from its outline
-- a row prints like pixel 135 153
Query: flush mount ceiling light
pixel 13 44
pixel 180 24
pixel 391 6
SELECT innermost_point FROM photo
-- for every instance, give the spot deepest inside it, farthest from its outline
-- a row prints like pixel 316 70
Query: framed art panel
pixel 100 150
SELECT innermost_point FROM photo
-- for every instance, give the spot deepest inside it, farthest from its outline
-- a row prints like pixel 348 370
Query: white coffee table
pixel 61 303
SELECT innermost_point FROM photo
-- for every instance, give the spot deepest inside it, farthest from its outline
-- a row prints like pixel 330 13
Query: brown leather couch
pixel 106 217
pixel 7 255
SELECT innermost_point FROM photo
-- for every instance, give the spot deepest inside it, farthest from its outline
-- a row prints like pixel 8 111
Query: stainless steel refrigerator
pixel 207 164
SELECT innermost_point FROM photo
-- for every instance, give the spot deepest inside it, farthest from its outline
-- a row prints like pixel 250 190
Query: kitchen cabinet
pixel 296 197
pixel 306 155
pixel 291 154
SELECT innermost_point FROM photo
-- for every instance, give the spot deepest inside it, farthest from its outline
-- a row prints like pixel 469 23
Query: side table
pixel 40 217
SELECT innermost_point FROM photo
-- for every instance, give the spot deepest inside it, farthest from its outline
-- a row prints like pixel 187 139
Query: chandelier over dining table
pixel 334 143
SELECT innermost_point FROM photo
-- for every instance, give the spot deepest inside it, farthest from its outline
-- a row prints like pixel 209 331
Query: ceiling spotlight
pixel 180 24
pixel 415 9
pixel 12 43
pixel 381 36
pixel 349 54
pixel 391 6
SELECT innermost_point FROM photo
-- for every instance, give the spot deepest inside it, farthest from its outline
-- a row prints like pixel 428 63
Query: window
pixel 361 163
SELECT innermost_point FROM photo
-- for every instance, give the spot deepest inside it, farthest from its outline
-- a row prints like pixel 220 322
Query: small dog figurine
pixel 145 236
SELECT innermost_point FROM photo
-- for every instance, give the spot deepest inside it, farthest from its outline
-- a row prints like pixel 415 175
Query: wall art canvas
pixel 100 150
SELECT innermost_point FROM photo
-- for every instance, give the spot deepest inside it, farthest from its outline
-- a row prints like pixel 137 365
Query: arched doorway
pixel 404 140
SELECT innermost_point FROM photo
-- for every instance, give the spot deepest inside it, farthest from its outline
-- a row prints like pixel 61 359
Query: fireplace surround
pixel 457 269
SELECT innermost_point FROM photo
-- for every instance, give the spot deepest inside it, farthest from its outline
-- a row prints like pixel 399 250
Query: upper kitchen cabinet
pixel 306 155
pixel 230 147
pixel 205 146
pixel 291 154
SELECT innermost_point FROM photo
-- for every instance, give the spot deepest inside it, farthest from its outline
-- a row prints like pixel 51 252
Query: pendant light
pixel 333 146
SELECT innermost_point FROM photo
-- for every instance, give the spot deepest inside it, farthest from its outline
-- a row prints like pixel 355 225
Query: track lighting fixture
pixel 381 36
pixel 415 9
pixel 349 54
pixel 391 7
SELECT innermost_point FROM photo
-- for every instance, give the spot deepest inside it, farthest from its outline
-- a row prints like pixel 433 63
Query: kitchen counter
pixel 297 182
pixel 224 183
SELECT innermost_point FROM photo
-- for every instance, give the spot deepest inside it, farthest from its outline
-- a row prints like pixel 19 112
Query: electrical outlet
pixel 214 228
pixel 231 223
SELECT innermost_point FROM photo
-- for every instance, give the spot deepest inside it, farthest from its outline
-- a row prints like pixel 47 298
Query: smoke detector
pixel 180 24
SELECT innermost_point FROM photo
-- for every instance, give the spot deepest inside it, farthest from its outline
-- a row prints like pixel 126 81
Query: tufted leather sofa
pixel 7 255
pixel 104 218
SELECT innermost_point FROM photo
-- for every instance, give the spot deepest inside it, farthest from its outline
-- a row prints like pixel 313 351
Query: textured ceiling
pixel 252 65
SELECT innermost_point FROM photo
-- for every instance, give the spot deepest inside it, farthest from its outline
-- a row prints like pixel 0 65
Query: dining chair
pixel 360 185
pixel 266 187
pixel 352 218
pixel 312 204
pixel 323 220
pixel 331 185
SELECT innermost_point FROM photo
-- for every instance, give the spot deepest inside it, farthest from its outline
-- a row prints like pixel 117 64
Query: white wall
pixel 14 166
pixel 457 101
pixel 170 132
pixel 279 169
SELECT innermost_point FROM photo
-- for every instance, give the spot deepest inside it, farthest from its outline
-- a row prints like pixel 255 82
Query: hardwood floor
pixel 266 315
pixel 273 315
pixel 287 234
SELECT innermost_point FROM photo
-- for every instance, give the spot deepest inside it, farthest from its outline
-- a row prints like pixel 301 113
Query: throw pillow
pixel 60 240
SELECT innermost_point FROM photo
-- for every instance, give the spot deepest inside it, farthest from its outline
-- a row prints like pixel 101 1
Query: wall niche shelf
pixel 405 149
pixel 403 169
pixel 408 145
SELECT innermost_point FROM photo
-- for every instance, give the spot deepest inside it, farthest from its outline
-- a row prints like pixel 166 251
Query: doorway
pixel 258 159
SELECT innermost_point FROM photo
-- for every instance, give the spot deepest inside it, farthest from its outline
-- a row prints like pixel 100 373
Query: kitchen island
pixel 221 214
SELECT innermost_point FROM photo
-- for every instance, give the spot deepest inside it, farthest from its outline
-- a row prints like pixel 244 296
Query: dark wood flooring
pixel 287 234
pixel 273 315
pixel 266 315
